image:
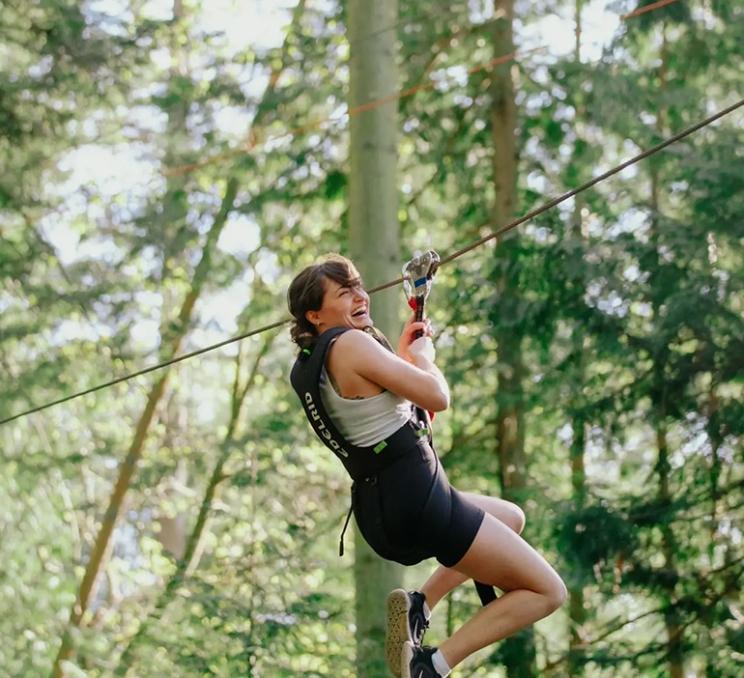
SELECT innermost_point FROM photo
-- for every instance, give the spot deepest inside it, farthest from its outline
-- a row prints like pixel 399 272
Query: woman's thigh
pixel 506 511
pixel 500 557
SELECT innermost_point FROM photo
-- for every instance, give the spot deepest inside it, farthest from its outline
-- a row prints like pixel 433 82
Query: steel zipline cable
pixel 569 194
pixel 495 234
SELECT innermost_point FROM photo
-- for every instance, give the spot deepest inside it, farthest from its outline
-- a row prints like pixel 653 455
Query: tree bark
pixel 576 605
pixel 169 347
pixel 375 247
pixel 674 628
pixel 576 610
pixel 518 651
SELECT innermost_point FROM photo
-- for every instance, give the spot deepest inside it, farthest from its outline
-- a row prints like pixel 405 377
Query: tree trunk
pixel 169 347
pixel 674 629
pixel 715 437
pixel 172 533
pixel 375 247
pixel 173 221
pixel 518 651
pixel 100 550
pixel 671 621
pixel 576 606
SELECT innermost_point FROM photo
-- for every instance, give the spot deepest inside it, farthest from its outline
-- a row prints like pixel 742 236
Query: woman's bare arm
pixel 419 381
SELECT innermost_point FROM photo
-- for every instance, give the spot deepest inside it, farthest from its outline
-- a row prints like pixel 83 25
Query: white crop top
pixel 364 421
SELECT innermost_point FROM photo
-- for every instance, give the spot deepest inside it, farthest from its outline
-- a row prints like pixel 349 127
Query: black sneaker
pixel 405 622
pixel 415 662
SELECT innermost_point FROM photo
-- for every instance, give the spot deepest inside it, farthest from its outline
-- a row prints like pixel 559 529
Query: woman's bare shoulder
pixel 355 340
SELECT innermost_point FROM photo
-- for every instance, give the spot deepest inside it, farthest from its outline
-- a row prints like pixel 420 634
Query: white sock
pixel 440 664
pixel 427 611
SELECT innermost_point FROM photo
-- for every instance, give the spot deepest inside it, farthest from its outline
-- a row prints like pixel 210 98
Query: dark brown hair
pixel 307 289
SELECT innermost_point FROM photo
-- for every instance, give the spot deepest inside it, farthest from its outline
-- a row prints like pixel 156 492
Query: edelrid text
pixel 321 427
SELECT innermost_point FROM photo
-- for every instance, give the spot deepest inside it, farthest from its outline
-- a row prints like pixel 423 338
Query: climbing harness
pixel 361 463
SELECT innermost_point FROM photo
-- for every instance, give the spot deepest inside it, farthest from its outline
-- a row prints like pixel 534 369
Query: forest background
pixel 165 174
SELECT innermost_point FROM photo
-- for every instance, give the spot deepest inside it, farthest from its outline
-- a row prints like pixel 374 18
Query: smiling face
pixel 343 306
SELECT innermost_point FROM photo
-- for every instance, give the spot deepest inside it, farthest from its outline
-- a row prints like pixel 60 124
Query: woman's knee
pixel 506 511
pixel 555 594
pixel 514 517
pixel 519 519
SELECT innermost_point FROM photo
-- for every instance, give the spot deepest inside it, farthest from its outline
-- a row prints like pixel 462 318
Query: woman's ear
pixel 312 317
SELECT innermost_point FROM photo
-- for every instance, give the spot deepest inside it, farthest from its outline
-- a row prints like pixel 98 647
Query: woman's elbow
pixel 430 394
pixel 439 400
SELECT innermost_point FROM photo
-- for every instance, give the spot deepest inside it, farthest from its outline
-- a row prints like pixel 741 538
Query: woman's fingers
pixel 423 325
pixel 411 327
pixel 415 327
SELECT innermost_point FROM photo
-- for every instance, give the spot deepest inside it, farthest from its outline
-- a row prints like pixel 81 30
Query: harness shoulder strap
pixel 360 462
pixel 305 379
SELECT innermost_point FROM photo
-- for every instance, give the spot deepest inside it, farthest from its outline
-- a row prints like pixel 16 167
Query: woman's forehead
pixel 332 285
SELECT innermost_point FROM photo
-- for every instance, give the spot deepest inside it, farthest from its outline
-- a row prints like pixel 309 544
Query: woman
pixel 357 394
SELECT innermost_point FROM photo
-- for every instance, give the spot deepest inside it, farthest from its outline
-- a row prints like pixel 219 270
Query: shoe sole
pixel 397 631
pixel 406 655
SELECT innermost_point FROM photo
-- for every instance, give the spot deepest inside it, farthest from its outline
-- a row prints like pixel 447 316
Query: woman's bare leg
pixel 500 557
pixel 440 583
pixel 445 579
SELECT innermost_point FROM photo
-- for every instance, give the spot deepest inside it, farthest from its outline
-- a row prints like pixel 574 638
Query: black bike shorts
pixel 409 512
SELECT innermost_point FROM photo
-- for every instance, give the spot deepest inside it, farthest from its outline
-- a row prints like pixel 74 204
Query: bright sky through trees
pixel 127 172
pixel 608 330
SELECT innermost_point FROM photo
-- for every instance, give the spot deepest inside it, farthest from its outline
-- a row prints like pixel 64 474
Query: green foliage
pixel 624 305
pixel 594 535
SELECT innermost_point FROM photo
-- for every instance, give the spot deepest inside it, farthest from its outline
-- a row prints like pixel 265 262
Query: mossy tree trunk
pixel 375 247
pixel 518 651
pixel 576 605
pixel 170 344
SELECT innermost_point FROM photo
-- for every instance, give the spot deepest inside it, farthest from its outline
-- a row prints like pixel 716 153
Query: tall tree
pixel 518 652
pixel 375 245
pixel 174 331
pixel 661 394
pixel 579 425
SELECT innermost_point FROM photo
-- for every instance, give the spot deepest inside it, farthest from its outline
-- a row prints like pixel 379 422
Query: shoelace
pixel 420 635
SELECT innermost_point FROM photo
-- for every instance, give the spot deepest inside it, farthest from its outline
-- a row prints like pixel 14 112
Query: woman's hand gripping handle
pixel 416 347
pixel 415 350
